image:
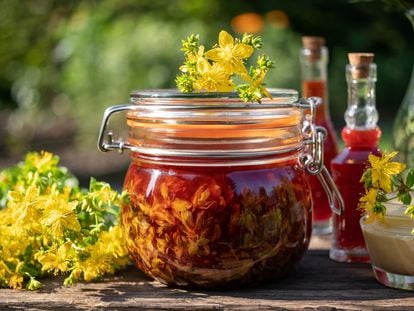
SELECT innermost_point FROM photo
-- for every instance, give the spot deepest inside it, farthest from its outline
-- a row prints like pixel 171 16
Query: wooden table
pixel 317 283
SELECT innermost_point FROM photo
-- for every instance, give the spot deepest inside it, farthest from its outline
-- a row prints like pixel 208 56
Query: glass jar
pixel 218 188
pixel 390 244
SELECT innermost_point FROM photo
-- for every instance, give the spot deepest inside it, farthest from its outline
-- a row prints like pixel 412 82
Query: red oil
pixel 321 210
pixel 347 168
pixel 216 226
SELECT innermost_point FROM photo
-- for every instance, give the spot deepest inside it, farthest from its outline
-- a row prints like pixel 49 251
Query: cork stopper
pixel 361 63
pixel 314 44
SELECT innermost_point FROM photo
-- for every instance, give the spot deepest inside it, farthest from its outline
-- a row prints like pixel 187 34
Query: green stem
pixel 392 198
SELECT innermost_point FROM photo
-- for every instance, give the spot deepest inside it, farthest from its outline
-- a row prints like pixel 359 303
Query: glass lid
pixel 287 96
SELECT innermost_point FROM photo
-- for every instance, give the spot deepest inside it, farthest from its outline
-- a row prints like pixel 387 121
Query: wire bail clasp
pixel 110 143
pixel 312 158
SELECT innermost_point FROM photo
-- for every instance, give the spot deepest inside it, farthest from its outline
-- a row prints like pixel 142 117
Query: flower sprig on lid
pixel 222 67
pixel 386 181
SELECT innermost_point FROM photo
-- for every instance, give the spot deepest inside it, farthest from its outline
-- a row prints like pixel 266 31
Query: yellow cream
pixel 390 243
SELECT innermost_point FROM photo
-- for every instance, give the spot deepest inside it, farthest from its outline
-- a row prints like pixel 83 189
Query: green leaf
pixel 404 197
pixel 379 208
pixel 366 178
pixel 410 178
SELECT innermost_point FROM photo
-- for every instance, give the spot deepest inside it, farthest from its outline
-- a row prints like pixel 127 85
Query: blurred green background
pixel 63 62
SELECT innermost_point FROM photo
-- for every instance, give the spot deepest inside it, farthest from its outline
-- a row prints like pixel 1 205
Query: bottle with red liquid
pixel 361 136
pixel 314 61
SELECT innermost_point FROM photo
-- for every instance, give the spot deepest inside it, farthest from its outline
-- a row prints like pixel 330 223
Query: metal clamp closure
pixel 110 144
pixel 312 157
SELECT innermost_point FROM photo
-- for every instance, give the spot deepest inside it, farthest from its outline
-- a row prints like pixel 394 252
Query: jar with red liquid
pixel 361 136
pixel 314 61
pixel 218 194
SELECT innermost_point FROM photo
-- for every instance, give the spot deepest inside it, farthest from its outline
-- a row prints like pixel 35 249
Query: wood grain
pixel 317 283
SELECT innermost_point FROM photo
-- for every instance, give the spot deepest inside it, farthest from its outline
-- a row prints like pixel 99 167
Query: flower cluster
pixel 386 181
pixel 215 70
pixel 49 225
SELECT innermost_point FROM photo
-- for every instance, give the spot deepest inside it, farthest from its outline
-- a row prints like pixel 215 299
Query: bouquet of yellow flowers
pixel 217 69
pixel 50 226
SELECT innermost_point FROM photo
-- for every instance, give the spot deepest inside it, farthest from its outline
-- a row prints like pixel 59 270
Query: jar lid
pixel 219 125
pixel 280 96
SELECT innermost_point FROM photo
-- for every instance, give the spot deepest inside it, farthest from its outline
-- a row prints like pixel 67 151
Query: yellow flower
pixel 106 194
pixel 367 204
pixel 24 203
pixel 213 71
pixel 96 265
pixel 212 78
pixel 104 257
pixel 112 242
pixel 382 170
pixel 55 260
pixel 42 161
pixel 230 55
pixel 15 281
pixel 59 215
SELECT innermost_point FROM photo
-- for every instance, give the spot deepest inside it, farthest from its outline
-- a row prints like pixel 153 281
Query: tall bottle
pixel 361 136
pixel 403 130
pixel 314 62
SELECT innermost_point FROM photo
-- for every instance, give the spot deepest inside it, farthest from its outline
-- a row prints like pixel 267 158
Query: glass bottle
pixel 314 61
pixel 360 135
pixel 403 131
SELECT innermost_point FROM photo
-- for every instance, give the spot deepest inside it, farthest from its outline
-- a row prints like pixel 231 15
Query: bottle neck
pixel 361 113
pixel 314 64
pixel 317 88
pixel 314 78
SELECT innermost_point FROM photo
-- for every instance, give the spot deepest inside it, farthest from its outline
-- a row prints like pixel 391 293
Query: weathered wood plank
pixel 317 283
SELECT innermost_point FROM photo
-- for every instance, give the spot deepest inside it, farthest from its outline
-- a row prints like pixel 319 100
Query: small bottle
pixel 361 136
pixel 314 62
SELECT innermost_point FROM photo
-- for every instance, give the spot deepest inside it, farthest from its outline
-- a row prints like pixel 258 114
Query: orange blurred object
pixel 247 22
pixel 278 18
